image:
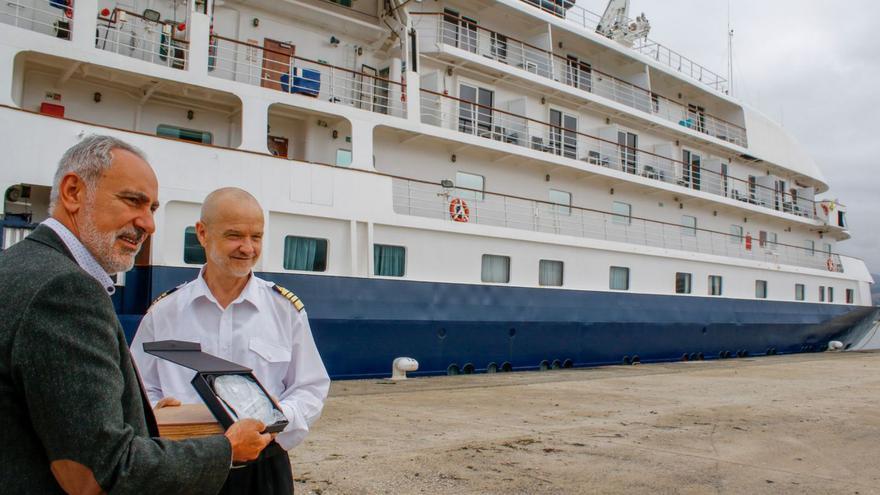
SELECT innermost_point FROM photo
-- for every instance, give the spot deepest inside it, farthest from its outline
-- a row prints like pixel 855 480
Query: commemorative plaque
pixel 230 391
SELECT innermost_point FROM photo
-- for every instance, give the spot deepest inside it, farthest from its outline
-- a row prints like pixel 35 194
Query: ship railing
pixel 431 200
pixel 437 28
pixel 566 141
pixel 575 14
pixel 275 69
pixel 133 35
pixel 13 230
pixel 52 17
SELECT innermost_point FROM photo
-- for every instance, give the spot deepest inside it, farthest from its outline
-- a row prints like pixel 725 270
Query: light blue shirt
pixel 81 254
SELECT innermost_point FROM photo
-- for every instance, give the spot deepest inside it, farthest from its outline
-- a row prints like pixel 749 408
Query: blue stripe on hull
pixel 361 325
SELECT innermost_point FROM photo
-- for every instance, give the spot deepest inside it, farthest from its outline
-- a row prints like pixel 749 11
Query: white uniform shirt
pixel 260 329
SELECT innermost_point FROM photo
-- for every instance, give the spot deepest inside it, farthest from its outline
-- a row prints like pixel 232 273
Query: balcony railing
pixel 52 17
pixel 430 200
pixel 563 139
pixel 133 35
pixel 280 70
pixel 568 10
pixel 435 29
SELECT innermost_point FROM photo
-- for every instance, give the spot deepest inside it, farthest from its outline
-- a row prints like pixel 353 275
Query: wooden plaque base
pixel 187 421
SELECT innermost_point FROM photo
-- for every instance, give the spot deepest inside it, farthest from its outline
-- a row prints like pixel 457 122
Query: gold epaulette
pixel 290 296
pixel 164 295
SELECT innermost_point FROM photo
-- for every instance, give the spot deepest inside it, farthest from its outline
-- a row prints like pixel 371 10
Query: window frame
pixel 326 253
pixel 375 267
pixel 619 218
pixel 711 289
pixel 470 193
pixel 191 230
pixel 611 270
pixel 761 289
pixel 561 273
pixel 689 282
pixel 483 262
pixel 800 292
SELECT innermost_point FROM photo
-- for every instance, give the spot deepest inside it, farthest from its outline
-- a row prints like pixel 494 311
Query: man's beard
pixel 102 245
pixel 220 259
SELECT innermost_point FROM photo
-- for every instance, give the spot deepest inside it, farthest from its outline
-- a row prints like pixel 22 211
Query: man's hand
pixel 167 402
pixel 246 439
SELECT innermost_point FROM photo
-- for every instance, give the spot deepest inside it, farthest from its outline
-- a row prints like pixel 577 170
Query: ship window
pixel 193 252
pixel 192 135
pixel 821 293
pixel 305 253
pixel 343 158
pixel 344 3
pixel 474 185
pixel 850 296
pixel 682 283
pixel 622 213
pixel 688 225
pixel 619 278
pixel 389 261
pixel 761 289
pixel 830 294
pixel 736 234
pixel 496 269
pixel 799 292
pixel 772 238
pixel 762 238
pixel 550 273
pixel 715 285
pixel 561 201
pixel 810 247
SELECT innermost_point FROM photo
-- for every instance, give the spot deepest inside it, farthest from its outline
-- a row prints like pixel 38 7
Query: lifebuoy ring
pixel 458 210
pixel 829 264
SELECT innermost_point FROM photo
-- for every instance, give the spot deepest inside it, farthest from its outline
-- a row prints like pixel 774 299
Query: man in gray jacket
pixel 73 414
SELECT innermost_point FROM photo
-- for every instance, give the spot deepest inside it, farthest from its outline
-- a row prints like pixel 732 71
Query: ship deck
pixel 804 423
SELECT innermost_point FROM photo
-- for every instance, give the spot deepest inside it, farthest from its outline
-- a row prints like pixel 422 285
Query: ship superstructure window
pixel 459 31
pixel 619 278
pixel 850 296
pixel 343 158
pixel 688 225
pixel 715 287
pixel 799 292
pixel 821 293
pixel 628 144
pixel 389 261
pixel 193 252
pixel 622 213
pixel 562 201
pixel 496 269
pixel 762 238
pixel 474 185
pixel 810 247
pixel 736 234
pixel 475 110
pixel 691 169
pixel 192 135
pixel 550 273
pixel 772 239
pixel 563 133
pixel 578 73
pixel 831 294
pixel 761 289
pixel 305 253
pixel 682 283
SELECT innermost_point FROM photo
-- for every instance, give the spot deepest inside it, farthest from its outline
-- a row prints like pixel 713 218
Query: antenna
pixel 729 53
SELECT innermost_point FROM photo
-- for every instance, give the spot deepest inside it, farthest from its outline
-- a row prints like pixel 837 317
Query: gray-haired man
pixel 73 414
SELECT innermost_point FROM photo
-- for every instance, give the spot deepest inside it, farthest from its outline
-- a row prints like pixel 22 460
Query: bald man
pixel 237 316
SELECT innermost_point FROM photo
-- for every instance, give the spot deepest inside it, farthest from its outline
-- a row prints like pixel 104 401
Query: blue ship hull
pixel 360 325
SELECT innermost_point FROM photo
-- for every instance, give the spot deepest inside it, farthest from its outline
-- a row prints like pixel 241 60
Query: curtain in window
pixel 496 269
pixel 550 273
pixel 619 278
pixel 389 261
pixel 193 252
pixel 303 253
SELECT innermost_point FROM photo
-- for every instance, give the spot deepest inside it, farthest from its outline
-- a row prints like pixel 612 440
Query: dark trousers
pixel 270 474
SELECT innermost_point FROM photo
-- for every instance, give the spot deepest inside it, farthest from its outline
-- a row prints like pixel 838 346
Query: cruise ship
pixel 481 185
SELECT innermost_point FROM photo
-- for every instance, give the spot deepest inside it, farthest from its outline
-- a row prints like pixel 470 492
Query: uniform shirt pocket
pixel 272 353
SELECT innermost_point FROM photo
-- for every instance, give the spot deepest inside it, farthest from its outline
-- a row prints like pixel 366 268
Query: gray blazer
pixel 69 389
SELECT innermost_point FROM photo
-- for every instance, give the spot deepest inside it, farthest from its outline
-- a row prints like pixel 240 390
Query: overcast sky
pixel 814 66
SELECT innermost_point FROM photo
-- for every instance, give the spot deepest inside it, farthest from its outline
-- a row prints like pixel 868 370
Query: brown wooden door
pixel 276 61
pixel 278 146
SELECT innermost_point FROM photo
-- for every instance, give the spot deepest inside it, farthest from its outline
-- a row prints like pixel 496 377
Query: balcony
pixel 278 69
pixel 151 40
pixel 434 29
pixel 424 199
pixel 564 140
pixel 581 17
pixel 52 17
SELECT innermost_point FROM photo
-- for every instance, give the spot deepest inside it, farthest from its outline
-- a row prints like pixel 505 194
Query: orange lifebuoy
pixel 458 210
pixel 829 264
pixel 748 242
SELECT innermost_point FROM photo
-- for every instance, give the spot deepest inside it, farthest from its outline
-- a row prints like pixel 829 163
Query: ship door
pixel 692 169
pixel 563 133
pixel 276 62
